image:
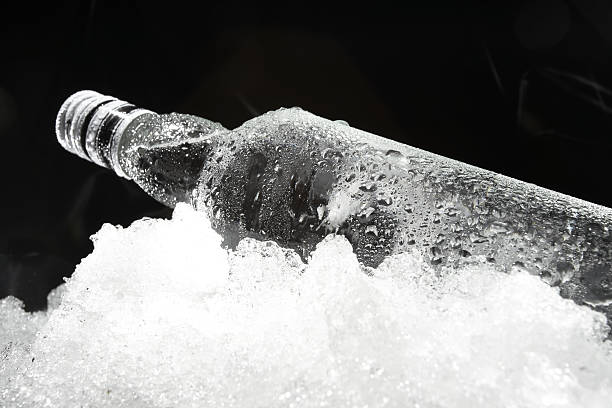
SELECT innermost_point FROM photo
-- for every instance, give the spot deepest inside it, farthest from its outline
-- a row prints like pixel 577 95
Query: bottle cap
pixel 90 125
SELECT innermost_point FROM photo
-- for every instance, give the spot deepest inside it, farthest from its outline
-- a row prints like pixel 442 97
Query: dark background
pixel 521 90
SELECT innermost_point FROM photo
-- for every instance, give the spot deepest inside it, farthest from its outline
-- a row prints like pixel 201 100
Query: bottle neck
pixel 92 125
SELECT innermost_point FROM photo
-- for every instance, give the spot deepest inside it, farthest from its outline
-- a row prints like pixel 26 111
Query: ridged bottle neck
pixel 91 125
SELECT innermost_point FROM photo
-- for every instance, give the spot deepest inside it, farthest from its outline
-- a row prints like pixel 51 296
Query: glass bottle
pixel 294 177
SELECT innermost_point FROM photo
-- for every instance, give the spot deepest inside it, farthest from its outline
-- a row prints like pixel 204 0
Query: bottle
pixel 294 177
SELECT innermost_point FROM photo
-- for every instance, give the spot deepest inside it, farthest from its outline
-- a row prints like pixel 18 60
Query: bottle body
pixel 294 177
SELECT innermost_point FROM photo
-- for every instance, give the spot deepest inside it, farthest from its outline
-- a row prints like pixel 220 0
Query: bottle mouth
pixel 90 125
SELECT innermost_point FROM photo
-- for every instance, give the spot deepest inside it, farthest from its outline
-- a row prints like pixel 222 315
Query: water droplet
pixel 495 228
pixel 372 230
pixel 383 199
pixel 452 211
pixel 394 154
pixel 477 239
pixel 565 270
pixel 330 153
pixel 551 278
pixel 368 187
pixel 471 221
pixel 366 215
pixel 456 228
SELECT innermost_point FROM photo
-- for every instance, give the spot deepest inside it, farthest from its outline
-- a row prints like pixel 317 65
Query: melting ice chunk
pixel 160 315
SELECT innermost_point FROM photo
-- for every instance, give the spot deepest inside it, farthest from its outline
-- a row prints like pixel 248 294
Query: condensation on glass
pixel 294 177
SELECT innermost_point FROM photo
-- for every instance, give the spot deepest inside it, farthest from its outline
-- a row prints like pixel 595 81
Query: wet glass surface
pixel 507 90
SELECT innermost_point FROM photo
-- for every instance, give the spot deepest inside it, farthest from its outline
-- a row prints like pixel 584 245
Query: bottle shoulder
pixel 165 153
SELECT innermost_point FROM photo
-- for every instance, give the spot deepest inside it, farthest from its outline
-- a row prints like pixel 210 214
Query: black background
pixel 520 89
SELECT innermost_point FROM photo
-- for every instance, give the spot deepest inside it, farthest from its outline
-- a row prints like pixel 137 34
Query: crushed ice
pixel 160 315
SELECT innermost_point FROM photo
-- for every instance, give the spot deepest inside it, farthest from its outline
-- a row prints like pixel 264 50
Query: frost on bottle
pixel 294 177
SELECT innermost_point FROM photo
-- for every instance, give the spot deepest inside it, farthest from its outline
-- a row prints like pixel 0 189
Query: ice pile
pixel 159 315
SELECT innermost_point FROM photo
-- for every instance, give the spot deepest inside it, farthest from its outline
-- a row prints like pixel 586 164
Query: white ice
pixel 159 315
